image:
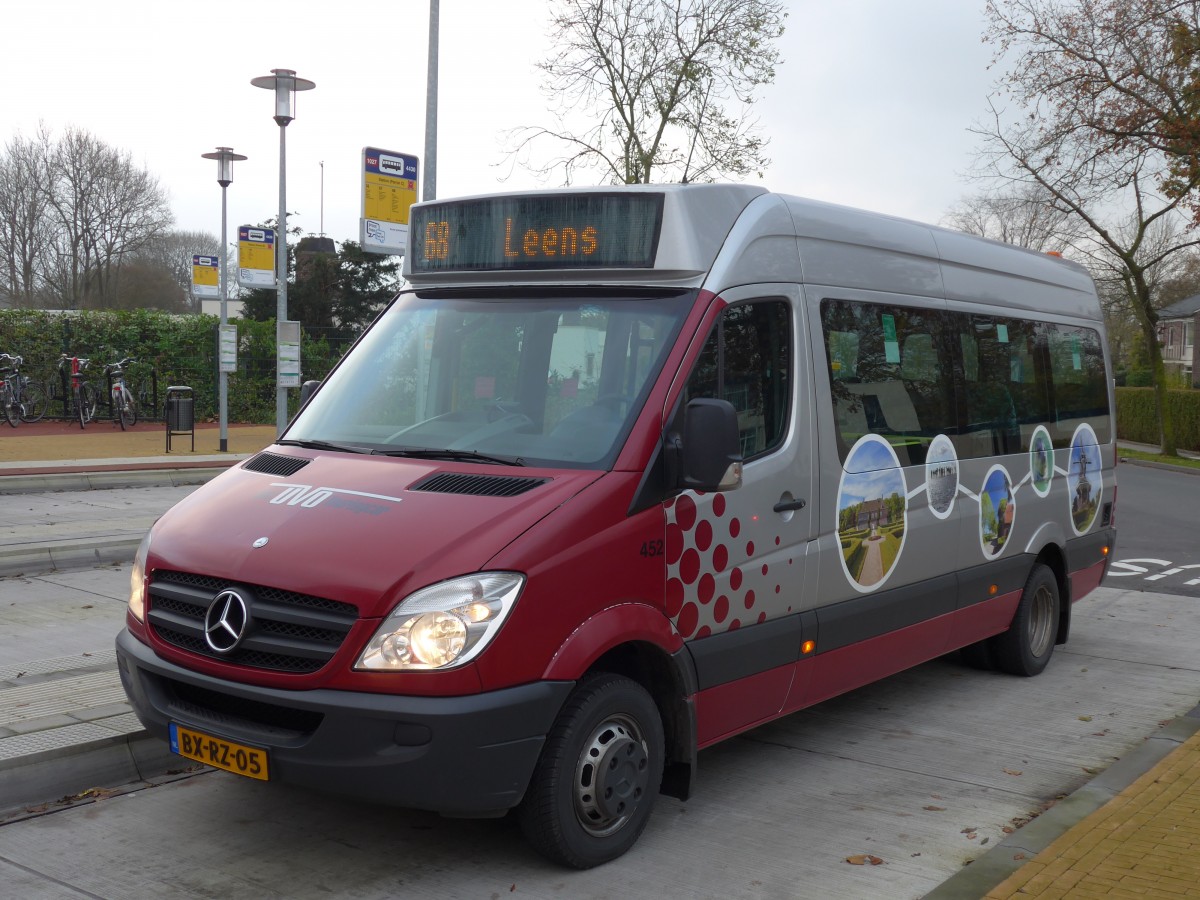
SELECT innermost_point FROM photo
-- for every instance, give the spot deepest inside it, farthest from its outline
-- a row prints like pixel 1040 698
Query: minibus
pixel 623 472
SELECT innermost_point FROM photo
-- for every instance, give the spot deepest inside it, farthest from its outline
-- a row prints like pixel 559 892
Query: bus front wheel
pixel 1027 645
pixel 598 775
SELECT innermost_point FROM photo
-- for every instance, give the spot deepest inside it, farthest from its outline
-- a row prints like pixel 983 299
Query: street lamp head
pixel 225 158
pixel 285 84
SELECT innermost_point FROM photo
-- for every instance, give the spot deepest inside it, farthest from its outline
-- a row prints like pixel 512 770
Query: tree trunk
pixel 1166 419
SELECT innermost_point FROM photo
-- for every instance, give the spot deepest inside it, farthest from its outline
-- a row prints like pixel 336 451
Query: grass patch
pixel 1181 461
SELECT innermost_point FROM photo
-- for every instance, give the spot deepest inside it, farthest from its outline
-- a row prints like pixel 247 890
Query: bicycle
pixel 124 409
pixel 23 400
pixel 83 395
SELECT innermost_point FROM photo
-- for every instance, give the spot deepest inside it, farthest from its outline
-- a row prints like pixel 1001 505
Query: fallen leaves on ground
pixel 862 859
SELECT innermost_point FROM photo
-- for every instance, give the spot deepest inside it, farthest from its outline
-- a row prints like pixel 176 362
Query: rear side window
pixel 909 374
pixel 747 360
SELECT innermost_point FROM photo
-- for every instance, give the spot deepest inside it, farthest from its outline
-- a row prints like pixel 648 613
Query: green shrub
pixel 1136 419
pixel 855 558
pixel 1139 378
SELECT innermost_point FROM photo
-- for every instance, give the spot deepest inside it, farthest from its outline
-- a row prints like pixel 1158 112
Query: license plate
pixel 213 751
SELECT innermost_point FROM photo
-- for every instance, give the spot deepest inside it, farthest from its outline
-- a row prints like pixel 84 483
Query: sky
pixel 871 104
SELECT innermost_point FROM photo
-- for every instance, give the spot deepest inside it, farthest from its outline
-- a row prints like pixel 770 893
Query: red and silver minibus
pixel 623 472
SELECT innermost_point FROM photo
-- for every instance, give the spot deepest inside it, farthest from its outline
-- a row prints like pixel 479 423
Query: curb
pixel 989 870
pixel 1150 464
pixel 109 480
pixel 37 559
pixel 108 762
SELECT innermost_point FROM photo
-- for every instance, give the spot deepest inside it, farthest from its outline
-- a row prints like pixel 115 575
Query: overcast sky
pixel 870 106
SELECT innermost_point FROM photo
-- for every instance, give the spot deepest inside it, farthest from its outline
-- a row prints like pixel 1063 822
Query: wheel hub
pixel 613 778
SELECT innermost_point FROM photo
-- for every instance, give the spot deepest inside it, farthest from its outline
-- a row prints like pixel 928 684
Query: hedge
pixel 170 349
pixel 1136 420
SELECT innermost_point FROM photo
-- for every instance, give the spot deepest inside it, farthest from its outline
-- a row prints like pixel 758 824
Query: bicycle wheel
pixel 34 403
pixel 129 411
pixel 85 404
pixel 11 411
pixel 123 410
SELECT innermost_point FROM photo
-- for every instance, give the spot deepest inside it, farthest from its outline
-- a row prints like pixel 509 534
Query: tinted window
pixel 890 374
pixel 987 381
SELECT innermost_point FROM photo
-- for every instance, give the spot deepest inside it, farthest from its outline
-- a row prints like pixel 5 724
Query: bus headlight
pixel 137 580
pixel 444 625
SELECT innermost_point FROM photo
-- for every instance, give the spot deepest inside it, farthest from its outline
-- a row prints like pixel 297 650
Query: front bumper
pixel 464 756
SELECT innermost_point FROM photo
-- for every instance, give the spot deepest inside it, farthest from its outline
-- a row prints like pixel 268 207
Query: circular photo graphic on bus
pixel 1041 461
pixel 997 511
pixel 1084 482
pixel 872 510
pixel 941 476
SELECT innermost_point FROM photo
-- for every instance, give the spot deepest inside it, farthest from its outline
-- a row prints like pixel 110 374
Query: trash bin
pixel 180 414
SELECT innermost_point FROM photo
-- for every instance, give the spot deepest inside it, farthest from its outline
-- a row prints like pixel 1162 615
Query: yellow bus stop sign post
pixel 205 277
pixel 256 257
pixel 389 189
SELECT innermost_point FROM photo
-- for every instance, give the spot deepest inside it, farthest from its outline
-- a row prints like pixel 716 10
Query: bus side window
pixel 747 360
pixel 897 388
pixel 1080 391
pixel 991 426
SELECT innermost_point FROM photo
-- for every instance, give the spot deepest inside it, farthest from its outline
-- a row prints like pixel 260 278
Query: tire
pixel 119 409
pixel 609 736
pixel 128 411
pixel 1029 642
pixel 85 406
pixel 11 410
pixel 35 403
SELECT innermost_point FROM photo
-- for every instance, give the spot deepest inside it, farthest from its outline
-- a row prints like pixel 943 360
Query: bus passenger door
pixel 736 560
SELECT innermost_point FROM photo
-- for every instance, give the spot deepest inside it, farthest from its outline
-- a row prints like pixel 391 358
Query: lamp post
pixel 285 84
pixel 225 158
pixel 429 186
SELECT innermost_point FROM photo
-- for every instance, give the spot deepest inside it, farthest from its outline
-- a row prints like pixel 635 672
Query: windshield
pixel 540 382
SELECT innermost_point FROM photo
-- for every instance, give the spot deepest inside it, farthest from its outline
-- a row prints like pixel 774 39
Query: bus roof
pixel 720 235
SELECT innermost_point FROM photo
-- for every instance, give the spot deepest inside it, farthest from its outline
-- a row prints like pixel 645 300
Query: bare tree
pixel 24 228
pixel 1100 89
pixel 102 208
pixel 665 87
pixel 171 252
pixel 1027 217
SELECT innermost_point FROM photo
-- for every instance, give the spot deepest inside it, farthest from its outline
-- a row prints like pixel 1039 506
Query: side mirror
pixel 709 450
pixel 307 390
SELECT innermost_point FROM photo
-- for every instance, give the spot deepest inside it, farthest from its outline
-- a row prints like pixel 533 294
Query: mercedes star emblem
pixel 225 622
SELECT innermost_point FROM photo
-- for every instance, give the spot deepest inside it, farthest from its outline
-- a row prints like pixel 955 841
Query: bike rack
pixel 180 414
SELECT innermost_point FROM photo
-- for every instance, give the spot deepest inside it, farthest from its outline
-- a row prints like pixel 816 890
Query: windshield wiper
pixel 322 445
pixel 462 455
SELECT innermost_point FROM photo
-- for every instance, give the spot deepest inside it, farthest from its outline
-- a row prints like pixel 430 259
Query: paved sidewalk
pixel 1144 843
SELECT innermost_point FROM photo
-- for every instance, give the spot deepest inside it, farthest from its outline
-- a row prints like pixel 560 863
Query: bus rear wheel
pixel 598 776
pixel 1026 647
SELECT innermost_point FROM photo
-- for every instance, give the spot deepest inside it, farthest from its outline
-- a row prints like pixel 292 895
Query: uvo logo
pixel 307 496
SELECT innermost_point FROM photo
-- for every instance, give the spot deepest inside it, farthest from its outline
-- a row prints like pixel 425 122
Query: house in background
pixel 1177 325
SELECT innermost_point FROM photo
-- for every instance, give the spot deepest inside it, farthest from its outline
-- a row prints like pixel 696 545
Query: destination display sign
pixel 591 230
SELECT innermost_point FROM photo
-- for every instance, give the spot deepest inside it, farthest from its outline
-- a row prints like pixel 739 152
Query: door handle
pixel 790 505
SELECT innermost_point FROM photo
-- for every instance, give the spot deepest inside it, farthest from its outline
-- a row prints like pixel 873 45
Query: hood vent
pixel 478 485
pixel 275 464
